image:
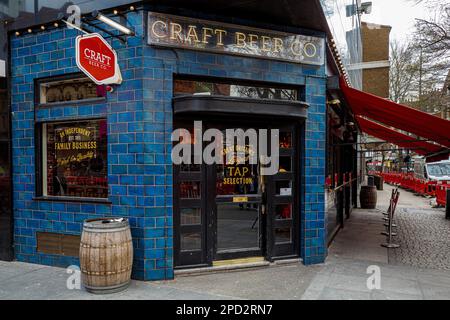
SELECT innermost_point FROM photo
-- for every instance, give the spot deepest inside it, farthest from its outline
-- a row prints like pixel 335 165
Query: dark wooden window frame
pixel 39 165
pixel 69 76
pixel 241 82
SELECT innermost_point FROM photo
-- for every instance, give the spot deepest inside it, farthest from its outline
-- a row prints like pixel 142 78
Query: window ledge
pixel 73 199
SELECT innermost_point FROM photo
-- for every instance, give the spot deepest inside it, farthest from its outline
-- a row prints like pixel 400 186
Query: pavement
pixel 423 234
pixel 418 270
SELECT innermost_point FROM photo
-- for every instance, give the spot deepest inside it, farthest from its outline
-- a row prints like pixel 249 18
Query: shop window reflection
pixel 285 164
pixel 190 216
pixel 283 211
pixel 285 140
pixel 69 90
pixel 191 241
pixel 190 189
pixel 233 90
pixel 283 235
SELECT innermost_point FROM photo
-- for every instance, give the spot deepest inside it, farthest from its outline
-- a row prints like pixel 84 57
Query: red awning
pixel 397 138
pixel 398 116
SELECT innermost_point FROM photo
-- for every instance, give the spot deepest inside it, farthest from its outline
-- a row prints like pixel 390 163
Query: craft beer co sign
pixel 182 32
pixel 96 58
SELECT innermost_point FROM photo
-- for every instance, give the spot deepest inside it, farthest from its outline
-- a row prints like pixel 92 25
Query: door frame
pixel 287 250
pixel 268 249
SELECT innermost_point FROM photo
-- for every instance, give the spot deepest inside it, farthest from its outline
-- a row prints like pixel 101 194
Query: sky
pixel 400 14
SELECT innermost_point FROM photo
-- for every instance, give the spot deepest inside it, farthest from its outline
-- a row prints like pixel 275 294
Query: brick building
pixel 375 59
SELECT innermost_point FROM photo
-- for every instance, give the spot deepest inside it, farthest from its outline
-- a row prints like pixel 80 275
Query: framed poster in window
pixel 74 159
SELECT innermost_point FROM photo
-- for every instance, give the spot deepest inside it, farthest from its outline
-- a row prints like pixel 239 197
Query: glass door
pixel 229 210
pixel 238 210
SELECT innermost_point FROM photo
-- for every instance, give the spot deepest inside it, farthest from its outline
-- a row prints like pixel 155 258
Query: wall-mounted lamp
pixel 112 23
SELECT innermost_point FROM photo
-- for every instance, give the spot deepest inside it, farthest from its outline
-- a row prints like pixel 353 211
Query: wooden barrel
pixel 378 182
pixel 368 197
pixel 106 255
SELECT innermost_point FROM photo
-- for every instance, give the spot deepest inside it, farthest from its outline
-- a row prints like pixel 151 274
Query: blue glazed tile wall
pixel 52 53
pixel 139 115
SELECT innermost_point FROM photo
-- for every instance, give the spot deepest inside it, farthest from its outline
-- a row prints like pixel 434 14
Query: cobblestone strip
pixel 424 238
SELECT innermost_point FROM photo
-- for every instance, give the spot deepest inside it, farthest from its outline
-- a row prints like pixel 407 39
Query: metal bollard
pixel 390 234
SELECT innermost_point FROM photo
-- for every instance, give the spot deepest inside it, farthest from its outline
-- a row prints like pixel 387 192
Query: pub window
pixel 74 159
pixel 69 89
pixel 254 91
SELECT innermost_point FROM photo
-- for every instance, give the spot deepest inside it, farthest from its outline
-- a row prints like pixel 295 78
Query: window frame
pixel 39 163
pixel 70 76
pixel 300 89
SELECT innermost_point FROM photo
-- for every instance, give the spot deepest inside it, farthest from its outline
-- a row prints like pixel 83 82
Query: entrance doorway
pixel 230 210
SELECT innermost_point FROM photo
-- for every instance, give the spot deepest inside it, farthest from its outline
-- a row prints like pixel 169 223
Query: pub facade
pixel 82 150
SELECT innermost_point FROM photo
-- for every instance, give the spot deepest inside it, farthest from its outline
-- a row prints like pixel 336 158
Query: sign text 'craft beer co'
pixel 96 58
pixel 195 34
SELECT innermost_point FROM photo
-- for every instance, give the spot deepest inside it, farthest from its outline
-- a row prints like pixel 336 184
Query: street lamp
pixel 358 8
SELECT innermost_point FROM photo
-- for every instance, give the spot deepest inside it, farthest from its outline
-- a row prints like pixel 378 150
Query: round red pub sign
pixel 97 59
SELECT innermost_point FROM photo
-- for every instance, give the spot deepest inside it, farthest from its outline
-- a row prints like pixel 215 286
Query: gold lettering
pixel 206 34
pixel 295 48
pixel 175 31
pixel 312 47
pixel 220 33
pixel 277 45
pixel 253 38
pixel 240 40
pixel 154 31
pixel 265 43
pixel 192 34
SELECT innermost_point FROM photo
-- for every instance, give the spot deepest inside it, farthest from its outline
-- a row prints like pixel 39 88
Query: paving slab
pixel 419 270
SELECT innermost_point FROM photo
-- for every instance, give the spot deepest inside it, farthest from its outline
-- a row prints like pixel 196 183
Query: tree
pixel 404 71
pixel 433 37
